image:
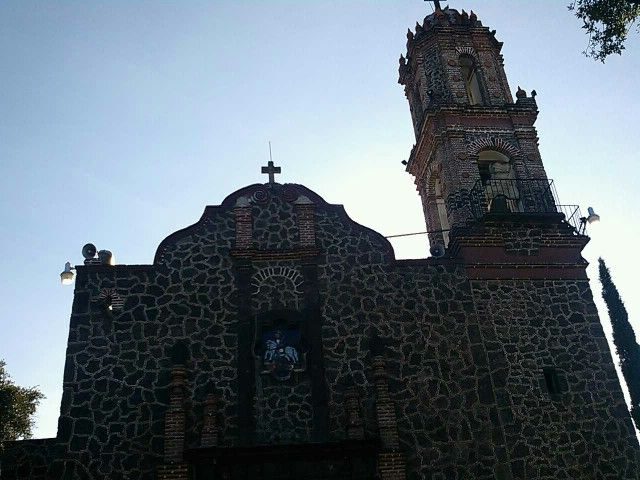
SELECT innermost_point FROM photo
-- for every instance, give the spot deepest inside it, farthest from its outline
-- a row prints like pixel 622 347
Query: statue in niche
pixel 498 178
pixel 502 183
pixel 281 352
pixel 501 171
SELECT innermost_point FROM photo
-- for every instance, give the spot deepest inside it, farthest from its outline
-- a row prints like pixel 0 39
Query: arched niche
pixel 487 162
pixel 441 207
pixel 497 175
pixel 436 212
pixel 471 77
pixel 280 344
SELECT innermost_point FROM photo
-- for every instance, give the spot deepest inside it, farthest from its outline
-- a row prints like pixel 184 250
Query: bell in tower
pixel 476 149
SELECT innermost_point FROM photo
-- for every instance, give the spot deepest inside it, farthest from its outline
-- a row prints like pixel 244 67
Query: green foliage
pixel 17 405
pixel 624 339
pixel 607 22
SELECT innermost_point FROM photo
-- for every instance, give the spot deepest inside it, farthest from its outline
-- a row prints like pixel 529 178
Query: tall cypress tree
pixel 624 339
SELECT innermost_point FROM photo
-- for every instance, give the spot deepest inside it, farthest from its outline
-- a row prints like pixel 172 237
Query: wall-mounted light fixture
pixel 68 274
pixel 592 218
pixel 91 257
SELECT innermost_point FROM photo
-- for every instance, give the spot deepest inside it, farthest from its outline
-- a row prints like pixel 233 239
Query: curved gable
pixel 274 225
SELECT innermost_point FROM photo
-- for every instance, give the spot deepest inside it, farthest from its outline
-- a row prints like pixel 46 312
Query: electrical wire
pixel 416 233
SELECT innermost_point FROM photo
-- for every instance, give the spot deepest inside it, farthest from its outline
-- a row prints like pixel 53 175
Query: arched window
pixel 470 76
pixel 442 212
pixel 497 175
pixel 486 163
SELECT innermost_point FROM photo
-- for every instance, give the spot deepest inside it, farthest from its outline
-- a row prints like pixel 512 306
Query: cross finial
pixel 271 171
pixel 436 3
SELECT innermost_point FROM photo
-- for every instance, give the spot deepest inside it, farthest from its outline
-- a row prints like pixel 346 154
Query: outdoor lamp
pixel 67 275
pixel 593 216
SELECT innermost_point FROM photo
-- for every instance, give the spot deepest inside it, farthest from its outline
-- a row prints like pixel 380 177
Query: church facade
pixel 276 338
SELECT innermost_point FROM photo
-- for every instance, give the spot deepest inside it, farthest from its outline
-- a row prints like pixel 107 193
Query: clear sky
pixel 121 120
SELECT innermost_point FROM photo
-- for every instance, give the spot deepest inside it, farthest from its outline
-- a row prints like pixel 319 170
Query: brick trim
pixel 355 425
pixel 391 466
pixel 391 462
pixel 174 428
pixel 244 224
pixel 210 431
pixel 305 213
pixel 173 472
pixel 493 143
pixel 266 255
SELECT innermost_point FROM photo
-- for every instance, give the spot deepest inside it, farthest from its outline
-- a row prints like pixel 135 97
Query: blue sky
pixel 121 120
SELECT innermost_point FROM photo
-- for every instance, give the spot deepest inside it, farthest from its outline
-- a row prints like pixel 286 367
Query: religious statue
pixel 281 352
pixel 500 171
pixel 503 183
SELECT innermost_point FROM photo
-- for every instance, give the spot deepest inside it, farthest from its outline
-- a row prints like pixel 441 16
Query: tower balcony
pixel 510 197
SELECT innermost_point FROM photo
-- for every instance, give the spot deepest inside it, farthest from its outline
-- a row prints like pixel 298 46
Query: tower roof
pixel 441 20
pixel 447 17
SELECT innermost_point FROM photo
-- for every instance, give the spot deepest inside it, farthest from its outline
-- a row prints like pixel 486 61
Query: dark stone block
pixel 80 302
pixel 179 309
pixel 479 355
pixel 65 428
pixel 131 302
pixel 139 314
pixel 79 443
pixel 101 385
pixel 520 450
pixel 80 412
pixel 485 390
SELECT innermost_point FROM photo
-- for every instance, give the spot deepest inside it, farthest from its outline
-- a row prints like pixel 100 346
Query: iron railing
pixel 506 196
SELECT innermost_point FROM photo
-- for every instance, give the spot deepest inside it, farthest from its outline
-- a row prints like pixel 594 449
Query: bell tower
pixel 476 149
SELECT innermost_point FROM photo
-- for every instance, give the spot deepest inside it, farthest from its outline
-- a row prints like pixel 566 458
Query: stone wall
pixel 420 314
pixel 583 432
pixel 463 359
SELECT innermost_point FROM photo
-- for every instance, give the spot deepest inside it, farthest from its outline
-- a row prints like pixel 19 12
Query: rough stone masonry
pixel 277 339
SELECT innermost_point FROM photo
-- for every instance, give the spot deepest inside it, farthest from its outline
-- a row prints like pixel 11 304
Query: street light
pixel 67 275
pixel 593 216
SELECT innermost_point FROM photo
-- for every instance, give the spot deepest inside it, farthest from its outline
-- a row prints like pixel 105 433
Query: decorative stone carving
pixel 492 143
pixel 260 196
pixel 291 274
pixel 460 50
pixel 111 299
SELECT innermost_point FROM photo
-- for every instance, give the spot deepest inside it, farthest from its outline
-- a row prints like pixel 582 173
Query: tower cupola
pixel 469 132
pixel 452 60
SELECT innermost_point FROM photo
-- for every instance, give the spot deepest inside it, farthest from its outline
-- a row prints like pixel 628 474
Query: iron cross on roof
pixel 271 170
pixel 436 3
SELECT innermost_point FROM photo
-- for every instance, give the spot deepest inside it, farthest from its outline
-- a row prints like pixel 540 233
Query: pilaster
pixel 174 429
pixel 355 426
pixel 209 437
pixel 305 213
pixel 244 224
pixel 391 461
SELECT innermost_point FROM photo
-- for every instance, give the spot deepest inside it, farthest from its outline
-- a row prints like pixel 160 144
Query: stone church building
pixel 276 338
